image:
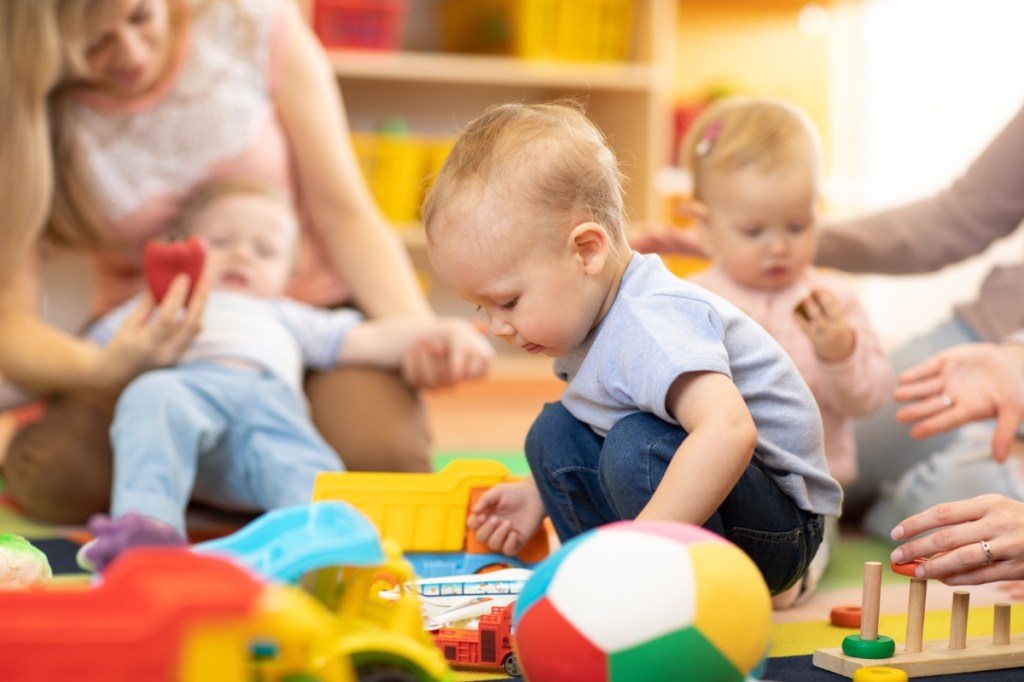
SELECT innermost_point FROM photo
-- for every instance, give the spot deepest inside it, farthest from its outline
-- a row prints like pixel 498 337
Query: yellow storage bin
pixel 399 168
pixel 571 30
pixel 393 166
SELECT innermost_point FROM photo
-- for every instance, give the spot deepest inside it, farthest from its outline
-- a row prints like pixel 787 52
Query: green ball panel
pixel 681 655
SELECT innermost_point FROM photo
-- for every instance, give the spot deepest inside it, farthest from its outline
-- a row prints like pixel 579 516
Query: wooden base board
pixel 936 659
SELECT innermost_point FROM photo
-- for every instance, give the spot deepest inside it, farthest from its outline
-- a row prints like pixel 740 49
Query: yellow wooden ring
pixel 883 647
pixel 880 673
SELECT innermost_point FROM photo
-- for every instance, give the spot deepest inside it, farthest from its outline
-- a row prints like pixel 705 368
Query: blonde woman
pixel 151 99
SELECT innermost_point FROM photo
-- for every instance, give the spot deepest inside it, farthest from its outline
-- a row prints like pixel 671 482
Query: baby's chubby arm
pixel 386 342
pixel 507 516
pixel 717 450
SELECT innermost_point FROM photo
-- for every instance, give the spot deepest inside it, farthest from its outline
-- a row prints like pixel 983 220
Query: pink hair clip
pixel 707 138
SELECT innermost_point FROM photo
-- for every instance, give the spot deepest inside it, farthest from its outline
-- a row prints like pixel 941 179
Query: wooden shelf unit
pixel 437 93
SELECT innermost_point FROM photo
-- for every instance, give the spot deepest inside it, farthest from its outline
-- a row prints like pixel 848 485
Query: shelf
pixel 433 67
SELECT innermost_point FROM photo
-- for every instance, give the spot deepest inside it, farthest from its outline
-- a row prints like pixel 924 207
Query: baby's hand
pixel 507 516
pixel 822 319
pixel 452 352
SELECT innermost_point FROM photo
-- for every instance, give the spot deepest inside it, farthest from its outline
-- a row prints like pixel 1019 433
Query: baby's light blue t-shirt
pixel 660 327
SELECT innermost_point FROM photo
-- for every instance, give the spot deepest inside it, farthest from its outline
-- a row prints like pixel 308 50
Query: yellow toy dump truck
pixel 426 514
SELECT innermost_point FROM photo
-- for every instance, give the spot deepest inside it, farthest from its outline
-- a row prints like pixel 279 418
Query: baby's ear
pixel 590 242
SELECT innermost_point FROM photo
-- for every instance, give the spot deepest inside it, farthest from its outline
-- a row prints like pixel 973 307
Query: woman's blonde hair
pixel 31 62
pixel 549 157
pixel 739 132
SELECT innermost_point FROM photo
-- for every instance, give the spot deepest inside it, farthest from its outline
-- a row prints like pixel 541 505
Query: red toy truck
pixel 489 645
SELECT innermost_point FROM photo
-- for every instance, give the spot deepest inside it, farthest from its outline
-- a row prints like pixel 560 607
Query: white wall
pixel 919 87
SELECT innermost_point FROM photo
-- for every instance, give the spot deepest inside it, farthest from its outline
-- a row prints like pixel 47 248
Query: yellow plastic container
pixel 570 30
pixel 394 169
pixel 399 169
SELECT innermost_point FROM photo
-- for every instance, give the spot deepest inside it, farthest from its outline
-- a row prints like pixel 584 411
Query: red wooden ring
pixel 907 569
pixel 845 616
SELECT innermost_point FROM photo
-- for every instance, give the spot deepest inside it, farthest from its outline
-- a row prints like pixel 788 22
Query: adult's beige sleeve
pixel 981 206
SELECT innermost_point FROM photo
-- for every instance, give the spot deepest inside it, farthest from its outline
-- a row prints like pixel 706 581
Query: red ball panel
pixel 552 650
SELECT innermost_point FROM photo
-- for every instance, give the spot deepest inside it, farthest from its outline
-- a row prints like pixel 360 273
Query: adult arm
pixel 34 354
pixel 981 206
pixel 42 358
pixel 359 242
pixel 720 441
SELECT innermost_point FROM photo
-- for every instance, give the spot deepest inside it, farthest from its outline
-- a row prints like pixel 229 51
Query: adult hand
pixel 821 317
pixel 955 551
pixel 459 352
pixel 963 384
pixel 672 240
pixel 155 336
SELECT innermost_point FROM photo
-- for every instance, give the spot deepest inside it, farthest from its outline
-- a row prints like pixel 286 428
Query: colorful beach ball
pixel 640 601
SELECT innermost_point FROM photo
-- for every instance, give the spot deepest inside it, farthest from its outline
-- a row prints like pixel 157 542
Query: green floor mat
pixel 846 566
pixel 513 460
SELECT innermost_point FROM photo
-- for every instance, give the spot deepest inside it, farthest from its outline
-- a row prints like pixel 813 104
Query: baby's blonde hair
pixel 549 158
pixel 207 194
pixel 741 132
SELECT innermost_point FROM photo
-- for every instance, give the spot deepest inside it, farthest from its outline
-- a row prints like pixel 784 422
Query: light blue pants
pixel 885 449
pixel 235 438
pixel 586 481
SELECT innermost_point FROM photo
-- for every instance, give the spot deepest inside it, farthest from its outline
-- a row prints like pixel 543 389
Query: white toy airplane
pixel 458 598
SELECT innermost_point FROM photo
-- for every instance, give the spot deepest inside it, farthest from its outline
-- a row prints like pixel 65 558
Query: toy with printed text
pixel 458 599
pixel 426 514
pixel 917 657
pixel 643 600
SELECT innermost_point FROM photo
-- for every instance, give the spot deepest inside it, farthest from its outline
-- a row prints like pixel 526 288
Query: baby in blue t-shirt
pixel 676 406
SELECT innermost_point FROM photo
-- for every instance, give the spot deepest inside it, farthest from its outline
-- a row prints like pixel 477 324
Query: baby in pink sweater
pixel 755 165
